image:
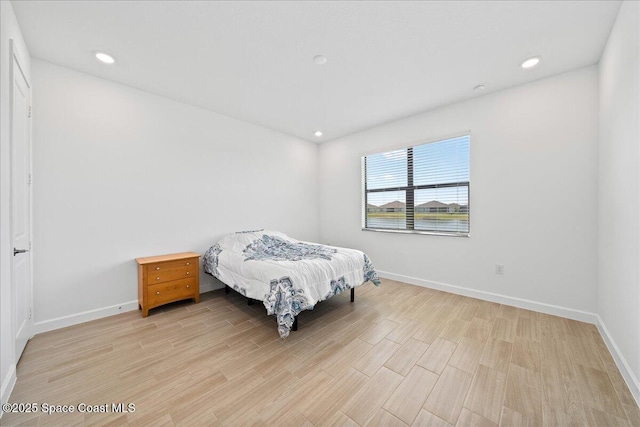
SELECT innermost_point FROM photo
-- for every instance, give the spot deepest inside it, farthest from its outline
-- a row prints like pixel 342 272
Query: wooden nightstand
pixel 167 278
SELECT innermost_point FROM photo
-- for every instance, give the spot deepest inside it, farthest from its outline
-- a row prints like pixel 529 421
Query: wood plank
pixel 496 355
pixel 596 418
pixel 426 418
pixel 404 331
pixel 290 418
pixel 527 328
pixel 337 419
pixel 305 390
pixel 561 404
pixel 383 418
pixel 437 355
pixel 406 357
pixel 556 417
pixel 526 353
pixel 375 334
pixel 407 400
pixel 429 330
pixel 487 310
pixel 371 362
pixel 448 395
pixel 454 330
pixel 508 312
pixel 363 405
pixel 479 329
pixel 504 329
pixel 341 360
pixel 511 418
pixel 471 419
pixel 524 393
pixel 467 354
pixel 487 393
pixel 598 392
pixel 467 310
pixel 624 395
pixel 633 413
pixel 329 400
pixel 583 352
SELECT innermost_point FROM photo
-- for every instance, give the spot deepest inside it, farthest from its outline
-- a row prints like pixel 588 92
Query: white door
pixel 20 204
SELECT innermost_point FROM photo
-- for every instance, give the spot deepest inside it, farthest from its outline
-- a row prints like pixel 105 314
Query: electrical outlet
pixel 499 269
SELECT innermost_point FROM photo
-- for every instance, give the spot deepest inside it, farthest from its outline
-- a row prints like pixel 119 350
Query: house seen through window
pixel 424 188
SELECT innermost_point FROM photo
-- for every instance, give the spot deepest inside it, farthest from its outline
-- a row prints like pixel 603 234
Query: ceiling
pixel 254 60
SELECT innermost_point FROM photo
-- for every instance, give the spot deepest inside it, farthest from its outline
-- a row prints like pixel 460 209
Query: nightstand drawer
pixel 172 265
pixel 173 291
pixel 168 274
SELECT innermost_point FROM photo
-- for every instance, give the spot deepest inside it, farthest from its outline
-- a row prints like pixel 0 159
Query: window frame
pixel 410 190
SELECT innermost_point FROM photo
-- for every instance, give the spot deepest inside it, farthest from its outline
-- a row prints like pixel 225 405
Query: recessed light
pixel 320 59
pixel 105 57
pixel 530 62
pixel 318 133
pixel 479 88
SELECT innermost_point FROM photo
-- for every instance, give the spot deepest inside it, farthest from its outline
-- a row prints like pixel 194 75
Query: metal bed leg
pixel 353 294
pixel 295 324
pixel 226 289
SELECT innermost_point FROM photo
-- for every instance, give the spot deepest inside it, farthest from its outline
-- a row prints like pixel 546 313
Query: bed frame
pixel 251 301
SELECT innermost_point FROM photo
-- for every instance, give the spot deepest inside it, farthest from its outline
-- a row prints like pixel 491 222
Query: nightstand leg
pixel 226 289
pixel 145 312
pixel 197 298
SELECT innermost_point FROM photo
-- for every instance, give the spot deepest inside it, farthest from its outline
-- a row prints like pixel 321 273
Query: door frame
pixel 16 61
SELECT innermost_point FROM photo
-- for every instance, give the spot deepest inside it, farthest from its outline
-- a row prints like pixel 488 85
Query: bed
pixel 287 275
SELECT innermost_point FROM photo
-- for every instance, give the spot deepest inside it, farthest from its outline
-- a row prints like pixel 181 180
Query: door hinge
pixel 29 180
pixel 29 110
pixel 30 313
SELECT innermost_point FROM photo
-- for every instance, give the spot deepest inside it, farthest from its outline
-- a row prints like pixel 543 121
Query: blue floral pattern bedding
pixel 288 275
pixel 279 249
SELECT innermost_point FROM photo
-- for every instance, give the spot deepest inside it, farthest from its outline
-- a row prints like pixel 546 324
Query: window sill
pixel 431 233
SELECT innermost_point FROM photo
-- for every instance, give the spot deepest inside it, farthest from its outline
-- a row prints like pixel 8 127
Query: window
pixel 420 189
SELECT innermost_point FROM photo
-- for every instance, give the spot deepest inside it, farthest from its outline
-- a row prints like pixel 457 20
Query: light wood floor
pixel 400 355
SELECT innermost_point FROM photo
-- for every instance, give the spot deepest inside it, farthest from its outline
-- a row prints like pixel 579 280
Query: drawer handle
pixel 157 278
pixel 187 286
pixel 157 268
pixel 158 293
pixel 188 272
pixel 188 263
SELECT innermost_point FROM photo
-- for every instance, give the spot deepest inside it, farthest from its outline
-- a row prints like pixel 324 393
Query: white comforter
pixel 288 275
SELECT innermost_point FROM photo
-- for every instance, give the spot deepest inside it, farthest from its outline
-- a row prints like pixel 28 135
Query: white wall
pixel 8 30
pixel 120 173
pixel 533 195
pixel 619 189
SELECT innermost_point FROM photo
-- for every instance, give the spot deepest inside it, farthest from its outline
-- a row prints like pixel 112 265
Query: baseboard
pixel 85 316
pixel 621 362
pixel 7 386
pixel 555 310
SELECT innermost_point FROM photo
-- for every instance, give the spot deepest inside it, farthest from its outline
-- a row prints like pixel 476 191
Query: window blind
pixel 424 188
